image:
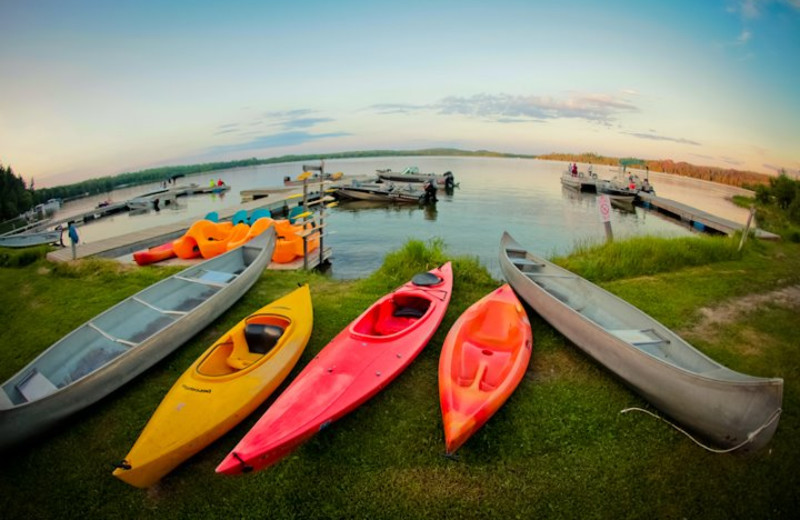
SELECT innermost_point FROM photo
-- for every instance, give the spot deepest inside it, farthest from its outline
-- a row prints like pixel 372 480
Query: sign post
pixel 604 206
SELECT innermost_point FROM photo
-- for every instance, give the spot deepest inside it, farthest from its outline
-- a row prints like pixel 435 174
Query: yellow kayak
pixel 228 382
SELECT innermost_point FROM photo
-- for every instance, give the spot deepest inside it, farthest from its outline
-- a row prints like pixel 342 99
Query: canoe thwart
pixel 637 336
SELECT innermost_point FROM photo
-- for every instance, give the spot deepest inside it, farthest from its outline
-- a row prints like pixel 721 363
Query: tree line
pixel 15 197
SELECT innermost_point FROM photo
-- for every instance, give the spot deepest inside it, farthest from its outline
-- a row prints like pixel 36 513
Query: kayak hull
pixel 222 387
pixel 484 358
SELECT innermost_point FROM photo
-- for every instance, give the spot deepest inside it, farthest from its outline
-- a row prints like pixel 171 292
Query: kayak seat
pixel 495 327
pixel 387 322
pixel 256 340
pixel 261 338
pixel 408 312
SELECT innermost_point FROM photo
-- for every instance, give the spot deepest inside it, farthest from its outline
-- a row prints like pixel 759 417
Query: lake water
pixel 522 196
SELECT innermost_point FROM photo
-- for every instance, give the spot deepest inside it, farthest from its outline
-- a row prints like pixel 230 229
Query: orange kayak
pixel 484 357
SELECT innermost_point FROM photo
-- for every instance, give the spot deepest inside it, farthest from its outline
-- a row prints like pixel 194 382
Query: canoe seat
pixel 258 339
pixel 526 265
pixel 636 336
pixel 35 386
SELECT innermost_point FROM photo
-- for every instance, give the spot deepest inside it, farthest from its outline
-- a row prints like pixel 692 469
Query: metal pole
pixel 747 227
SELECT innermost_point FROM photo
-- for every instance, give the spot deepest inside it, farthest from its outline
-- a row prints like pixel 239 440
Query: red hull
pixel 484 357
pixel 154 254
pixel 359 362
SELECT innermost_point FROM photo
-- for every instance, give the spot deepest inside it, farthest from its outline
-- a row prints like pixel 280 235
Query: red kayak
pixel 154 254
pixel 484 357
pixel 353 367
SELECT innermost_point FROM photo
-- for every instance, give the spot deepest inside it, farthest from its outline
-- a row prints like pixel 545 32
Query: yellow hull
pixel 227 383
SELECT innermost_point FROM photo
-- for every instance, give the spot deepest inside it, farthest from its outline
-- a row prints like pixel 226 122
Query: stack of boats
pixel 483 360
pixel 409 186
pixel 382 192
pixel 622 190
pixel 208 238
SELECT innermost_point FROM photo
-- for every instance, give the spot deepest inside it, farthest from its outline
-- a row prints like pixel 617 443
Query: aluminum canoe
pixel 122 342
pixel 730 409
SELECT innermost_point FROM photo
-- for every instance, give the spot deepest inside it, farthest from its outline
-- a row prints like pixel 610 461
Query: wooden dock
pixel 696 218
pixel 279 203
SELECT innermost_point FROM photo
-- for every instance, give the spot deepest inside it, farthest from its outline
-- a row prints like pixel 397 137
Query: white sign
pixel 604 205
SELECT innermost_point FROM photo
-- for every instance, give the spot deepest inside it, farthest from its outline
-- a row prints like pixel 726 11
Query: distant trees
pixel 15 198
pixel 729 176
pixel 106 184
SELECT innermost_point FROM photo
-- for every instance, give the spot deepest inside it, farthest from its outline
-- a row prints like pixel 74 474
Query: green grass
pixel 559 448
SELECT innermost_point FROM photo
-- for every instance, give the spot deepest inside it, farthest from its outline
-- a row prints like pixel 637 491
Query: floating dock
pixel 695 218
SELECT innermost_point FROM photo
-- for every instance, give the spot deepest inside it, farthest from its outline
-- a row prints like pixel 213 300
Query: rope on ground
pixel 750 436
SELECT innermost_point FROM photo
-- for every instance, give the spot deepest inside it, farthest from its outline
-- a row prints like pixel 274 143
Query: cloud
pixel 731 160
pixel 304 122
pixel 591 107
pixel 288 114
pixel 397 108
pixel 750 9
pixel 744 37
pixel 505 108
pixel 656 137
pixel 283 139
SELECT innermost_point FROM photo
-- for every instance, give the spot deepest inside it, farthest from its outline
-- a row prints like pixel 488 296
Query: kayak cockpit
pixel 392 315
pixel 245 346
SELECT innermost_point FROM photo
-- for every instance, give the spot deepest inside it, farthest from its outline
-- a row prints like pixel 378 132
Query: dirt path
pixel 732 309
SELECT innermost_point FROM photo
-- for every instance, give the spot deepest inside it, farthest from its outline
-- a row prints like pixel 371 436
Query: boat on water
pixel 581 182
pixel 357 364
pixel 733 411
pixel 412 174
pixel 484 358
pixel 617 192
pixel 122 342
pixel 382 191
pixel 222 387
pixel 31 239
pixel 152 199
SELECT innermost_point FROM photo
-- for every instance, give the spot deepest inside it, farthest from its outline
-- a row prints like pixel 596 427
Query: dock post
pixel 321 225
pixel 305 250
pixel 746 230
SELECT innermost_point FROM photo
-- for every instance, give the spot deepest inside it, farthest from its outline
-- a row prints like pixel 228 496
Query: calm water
pixel 522 196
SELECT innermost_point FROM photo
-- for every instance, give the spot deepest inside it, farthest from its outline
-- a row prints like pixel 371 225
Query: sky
pixel 90 88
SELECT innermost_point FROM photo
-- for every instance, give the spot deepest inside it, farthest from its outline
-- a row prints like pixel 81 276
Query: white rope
pixel 750 436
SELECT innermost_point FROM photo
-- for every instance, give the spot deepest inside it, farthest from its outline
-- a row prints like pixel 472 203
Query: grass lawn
pixel 559 448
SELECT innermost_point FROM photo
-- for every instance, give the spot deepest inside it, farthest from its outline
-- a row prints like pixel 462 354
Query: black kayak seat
pixel 408 312
pixel 426 279
pixel 261 338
